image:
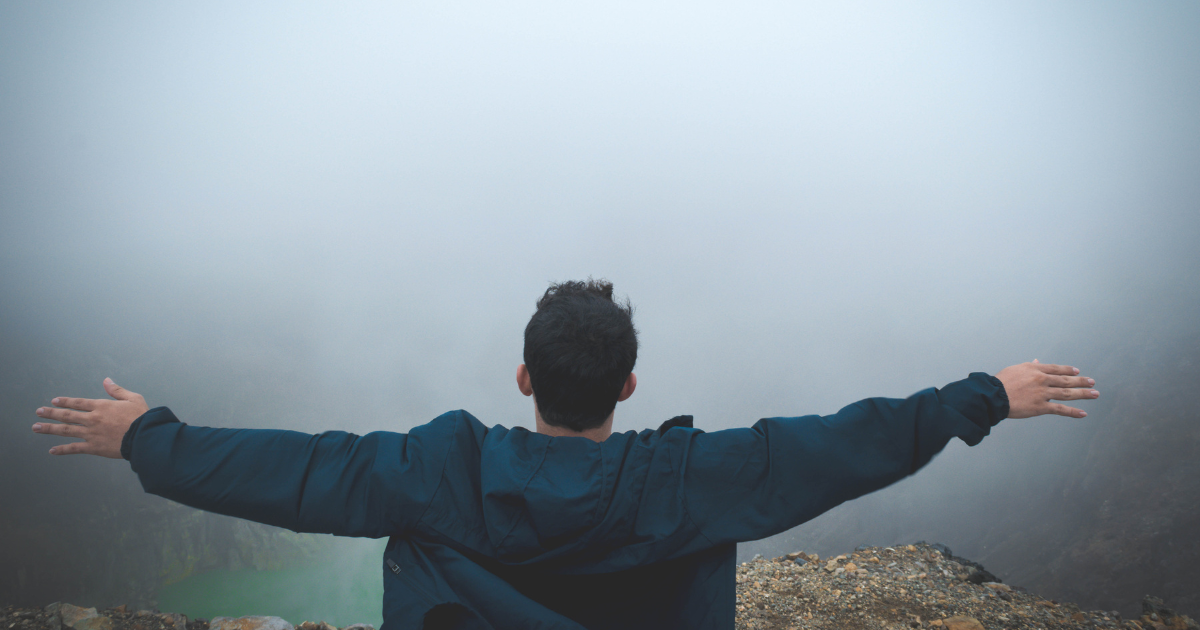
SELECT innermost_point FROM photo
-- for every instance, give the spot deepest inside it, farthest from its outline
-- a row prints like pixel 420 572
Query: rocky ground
pixel 915 586
pixel 873 588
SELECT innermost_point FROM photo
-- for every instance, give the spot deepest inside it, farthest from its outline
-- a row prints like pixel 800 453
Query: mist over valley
pixel 320 218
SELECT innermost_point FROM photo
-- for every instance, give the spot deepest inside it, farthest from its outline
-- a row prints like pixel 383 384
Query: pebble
pixel 175 621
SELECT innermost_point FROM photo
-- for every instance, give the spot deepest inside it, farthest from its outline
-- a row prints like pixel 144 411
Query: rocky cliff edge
pixel 873 588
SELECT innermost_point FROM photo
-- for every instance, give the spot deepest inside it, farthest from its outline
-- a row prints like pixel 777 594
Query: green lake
pixel 330 592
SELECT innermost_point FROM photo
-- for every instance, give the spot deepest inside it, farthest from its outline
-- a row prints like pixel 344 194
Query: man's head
pixel 580 348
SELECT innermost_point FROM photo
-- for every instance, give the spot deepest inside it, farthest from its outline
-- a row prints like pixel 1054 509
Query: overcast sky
pixel 317 216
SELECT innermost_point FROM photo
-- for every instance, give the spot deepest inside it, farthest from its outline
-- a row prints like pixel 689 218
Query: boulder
pixel 1154 605
pixel 55 616
pixel 72 616
pixel 980 575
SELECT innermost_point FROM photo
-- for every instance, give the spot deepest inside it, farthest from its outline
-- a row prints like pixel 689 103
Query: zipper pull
pixel 393 566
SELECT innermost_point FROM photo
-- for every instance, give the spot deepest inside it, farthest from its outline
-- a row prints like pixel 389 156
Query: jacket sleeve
pixel 372 485
pixel 746 484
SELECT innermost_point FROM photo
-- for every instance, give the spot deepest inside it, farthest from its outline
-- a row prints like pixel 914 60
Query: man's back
pixel 512 529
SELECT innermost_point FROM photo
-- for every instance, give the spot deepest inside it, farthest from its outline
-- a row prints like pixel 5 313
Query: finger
pixel 65 430
pixel 1064 410
pixel 1065 393
pixel 74 448
pixel 1064 370
pixel 63 415
pixel 1035 360
pixel 1069 381
pixel 118 392
pixel 82 404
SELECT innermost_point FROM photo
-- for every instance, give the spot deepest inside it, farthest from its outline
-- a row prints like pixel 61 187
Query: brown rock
pixel 255 622
pixel 99 622
pixel 851 567
pixel 963 623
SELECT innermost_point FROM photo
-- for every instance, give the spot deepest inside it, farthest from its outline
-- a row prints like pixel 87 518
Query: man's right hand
pixel 1031 387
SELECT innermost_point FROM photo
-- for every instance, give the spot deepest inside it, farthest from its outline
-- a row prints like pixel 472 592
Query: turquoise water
pixel 339 592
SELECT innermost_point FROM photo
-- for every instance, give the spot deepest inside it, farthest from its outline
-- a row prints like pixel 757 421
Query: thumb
pixel 116 391
pixel 1035 360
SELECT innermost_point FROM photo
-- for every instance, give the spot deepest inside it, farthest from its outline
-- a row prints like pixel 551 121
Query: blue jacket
pixel 504 528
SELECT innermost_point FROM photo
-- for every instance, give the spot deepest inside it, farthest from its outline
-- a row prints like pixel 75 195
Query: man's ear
pixel 523 382
pixel 627 390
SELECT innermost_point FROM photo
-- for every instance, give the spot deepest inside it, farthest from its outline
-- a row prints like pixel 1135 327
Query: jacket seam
pixel 683 498
pixel 524 487
pixel 441 473
pixel 601 504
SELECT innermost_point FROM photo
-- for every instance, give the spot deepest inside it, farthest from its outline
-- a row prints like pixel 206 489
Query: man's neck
pixel 597 434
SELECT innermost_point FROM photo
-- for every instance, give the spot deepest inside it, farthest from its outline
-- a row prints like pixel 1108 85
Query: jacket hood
pixel 559 498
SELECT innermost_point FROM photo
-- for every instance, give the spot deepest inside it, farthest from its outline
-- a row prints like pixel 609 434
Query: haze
pixel 316 217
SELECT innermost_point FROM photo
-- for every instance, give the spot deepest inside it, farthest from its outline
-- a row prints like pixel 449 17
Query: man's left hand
pixel 101 423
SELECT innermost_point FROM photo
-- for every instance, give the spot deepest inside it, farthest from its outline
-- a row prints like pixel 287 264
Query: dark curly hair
pixel 580 347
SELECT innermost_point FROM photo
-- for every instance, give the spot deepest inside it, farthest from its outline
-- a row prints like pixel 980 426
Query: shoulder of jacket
pixel 455 426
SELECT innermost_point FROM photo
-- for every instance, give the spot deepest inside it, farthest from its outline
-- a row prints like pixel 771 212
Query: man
pixel 572 526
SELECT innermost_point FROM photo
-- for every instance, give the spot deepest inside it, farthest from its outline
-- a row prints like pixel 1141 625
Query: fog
pixel 316 217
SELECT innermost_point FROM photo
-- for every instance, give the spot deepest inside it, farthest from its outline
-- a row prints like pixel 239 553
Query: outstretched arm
pixel 335 482
pixel 746 484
